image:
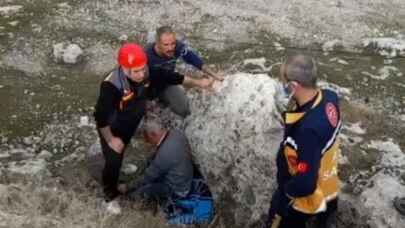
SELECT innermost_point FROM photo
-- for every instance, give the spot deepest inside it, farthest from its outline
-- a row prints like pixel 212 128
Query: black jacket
pixel 121 105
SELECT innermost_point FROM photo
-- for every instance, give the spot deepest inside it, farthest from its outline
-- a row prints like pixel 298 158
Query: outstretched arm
pixel 203 83
pixel 210 73
pixel 190 57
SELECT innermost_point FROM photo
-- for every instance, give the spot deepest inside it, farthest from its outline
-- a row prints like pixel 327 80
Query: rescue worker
pixel 170 171
pixel 120 108
pixel 307 158
pixel 163 55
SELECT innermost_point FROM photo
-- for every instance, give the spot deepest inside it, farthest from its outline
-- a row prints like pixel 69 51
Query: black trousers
pixel 283 216
pixel 111 170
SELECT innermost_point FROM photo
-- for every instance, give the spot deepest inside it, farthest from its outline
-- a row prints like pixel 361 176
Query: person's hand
pixel 116 144
pixel 217 76
pixel 206 83
pixel 122 188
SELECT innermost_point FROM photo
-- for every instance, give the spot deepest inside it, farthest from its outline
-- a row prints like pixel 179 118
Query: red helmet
pixel 132 55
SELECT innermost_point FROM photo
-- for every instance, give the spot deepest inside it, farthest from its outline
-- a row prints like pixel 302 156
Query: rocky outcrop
pixel 234 134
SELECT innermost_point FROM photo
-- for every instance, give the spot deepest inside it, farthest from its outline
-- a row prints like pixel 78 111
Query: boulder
pixel 67 53
pixel 234 134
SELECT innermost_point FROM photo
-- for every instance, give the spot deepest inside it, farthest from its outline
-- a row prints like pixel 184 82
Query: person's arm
pixel 192 58
pixel 174 78
pixel 188 55
pixel 107 102
pixel 210 73
pixel 308 162
pixel 203 83
pixel 158 167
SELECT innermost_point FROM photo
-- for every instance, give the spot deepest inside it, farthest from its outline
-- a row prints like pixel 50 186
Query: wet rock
pixel 4 154
pixel 14 23
pixel 84 121
pixel 386 46
pixel 258 65
pixel 67 53
pixel 234 141
pixel 27 141
pixel 28 169
pixel 355 128
pixel 23 51
pixel 378 201
pixel 341 91
pixel 9 10
pixel 44 154
pixel 101 58
pixel 331 45
pixel 123 38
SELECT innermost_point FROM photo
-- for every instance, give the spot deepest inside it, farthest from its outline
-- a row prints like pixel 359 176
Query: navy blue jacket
pixel 307 159
pixel 162 70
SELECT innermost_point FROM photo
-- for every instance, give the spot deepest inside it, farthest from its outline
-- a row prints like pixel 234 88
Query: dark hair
pixel 162 30
pixel 302 69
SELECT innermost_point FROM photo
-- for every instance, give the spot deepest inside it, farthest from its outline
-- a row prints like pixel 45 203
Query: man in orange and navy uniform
pixel 307 159
pixel 119 110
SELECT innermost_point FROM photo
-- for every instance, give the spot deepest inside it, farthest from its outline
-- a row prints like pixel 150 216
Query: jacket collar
pixel 294 116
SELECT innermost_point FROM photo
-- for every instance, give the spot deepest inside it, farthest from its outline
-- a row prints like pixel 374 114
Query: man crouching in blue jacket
pixel 307 159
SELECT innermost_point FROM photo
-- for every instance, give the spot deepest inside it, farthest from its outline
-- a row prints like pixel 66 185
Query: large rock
pixel 234 134
pixel 67 53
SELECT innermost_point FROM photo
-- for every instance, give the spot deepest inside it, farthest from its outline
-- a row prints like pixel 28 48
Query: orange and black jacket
pixel 308 155
pixel 121 104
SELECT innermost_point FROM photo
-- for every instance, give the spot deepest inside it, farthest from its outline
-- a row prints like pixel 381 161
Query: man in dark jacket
pixel 170 172
pixel 162 58
pixel 120 108
pixel 307 159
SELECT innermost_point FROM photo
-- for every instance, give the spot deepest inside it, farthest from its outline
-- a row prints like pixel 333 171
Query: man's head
pixel 153 131
pixel 299 73
pixel 133 60
pixel 165 41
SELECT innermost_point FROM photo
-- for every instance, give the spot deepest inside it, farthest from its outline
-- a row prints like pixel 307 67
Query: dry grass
pixel 38 206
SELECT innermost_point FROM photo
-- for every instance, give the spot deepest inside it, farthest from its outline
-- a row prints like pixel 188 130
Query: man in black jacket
pixel 120 108
pixel 162 58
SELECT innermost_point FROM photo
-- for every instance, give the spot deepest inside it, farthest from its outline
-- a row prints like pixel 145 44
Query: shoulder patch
pixel 332 114
pixel 302 167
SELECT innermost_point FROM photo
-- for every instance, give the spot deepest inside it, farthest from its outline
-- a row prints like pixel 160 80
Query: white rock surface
pixel 44 154
pixel 34 167
pixel 392 154
pixel 67 53
pixel 84 121
pixel 7 11
pixel 234 135
pixel 331 45
pixel 379 201
pixel 388 46
pixel 355 128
